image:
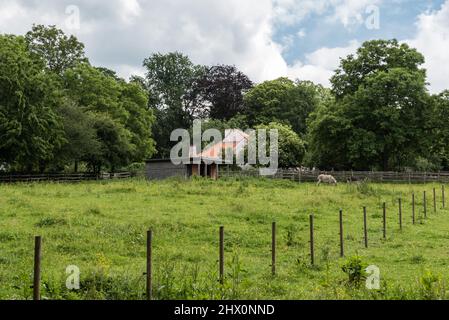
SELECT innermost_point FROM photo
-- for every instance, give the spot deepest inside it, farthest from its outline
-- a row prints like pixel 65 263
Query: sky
pixel 266 39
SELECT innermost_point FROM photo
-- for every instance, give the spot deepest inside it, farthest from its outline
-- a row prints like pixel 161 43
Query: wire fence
pixel 344 176
pixel 438 207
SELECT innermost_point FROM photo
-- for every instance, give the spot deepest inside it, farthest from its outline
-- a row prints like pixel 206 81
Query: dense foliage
pixel 59 112
pixel 380 112
pixel 291 147
pixel 281 100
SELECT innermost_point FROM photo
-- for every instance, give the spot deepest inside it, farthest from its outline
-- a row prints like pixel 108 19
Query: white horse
pixel 326 178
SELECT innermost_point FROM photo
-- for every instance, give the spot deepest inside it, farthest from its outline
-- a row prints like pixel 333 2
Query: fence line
pixel 343 176
pixel 149 274
pixel 63 177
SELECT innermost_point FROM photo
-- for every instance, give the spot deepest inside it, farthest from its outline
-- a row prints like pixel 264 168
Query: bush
pixel 355 267
pixel 424 164
pixel 430 285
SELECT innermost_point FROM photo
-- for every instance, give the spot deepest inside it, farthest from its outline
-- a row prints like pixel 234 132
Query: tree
pixel 58 51
pixel 80 134
pixel 328 130
pixel 125 104
pixel 281 100
pixel 372 57
pixel 30 130
pixel 291 147
pixel 380 113
pixel 57 109
pixel 116 149
pixel 220 90
pixel 94 91
pixel 438 152
pixel 169 80
pixel 139 121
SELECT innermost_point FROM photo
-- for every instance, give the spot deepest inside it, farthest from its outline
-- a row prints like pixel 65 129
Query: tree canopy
pixel 59 112
pixel 56 110
pixel 291 148
pixel 30 129
pixel 58 51
pixel 169 81
pixel 220 89
pixel 380 112
pixel 281 100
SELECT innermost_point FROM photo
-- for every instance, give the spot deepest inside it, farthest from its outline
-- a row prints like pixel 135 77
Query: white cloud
pixel 17 16
pixel 9 10
pixel 432 40
pixel 347 12
pixel 129 10
pixel 119 34
pixel 350 12
pixel 292 11
pixel 320 65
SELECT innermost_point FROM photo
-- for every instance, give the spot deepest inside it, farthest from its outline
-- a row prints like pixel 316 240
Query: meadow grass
pixel 100 227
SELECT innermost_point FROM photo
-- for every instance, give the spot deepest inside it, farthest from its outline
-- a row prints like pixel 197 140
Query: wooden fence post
pixel 385 220
pixel 400 213
pixel 342 250
pixel 434 200
pixel 273 249
pixel 413 208
pixel 365 230
pixel 442 193
pixel 312 249
pixel 425 205
pixel 37 268
pixel 149 265
pixel 221 254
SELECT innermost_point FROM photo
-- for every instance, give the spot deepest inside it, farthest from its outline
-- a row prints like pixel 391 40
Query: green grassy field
pixel 100 227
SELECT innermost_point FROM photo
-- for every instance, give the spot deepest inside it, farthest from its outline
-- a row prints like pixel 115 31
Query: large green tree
pixel 169 81
pixel 139 121
pixel 82 143
pixel 281 100
pixel 113 100
pixel 438 134
pixel 94 90
pixel 56 109
pixel 372 57
pixel 30 130
pixel 116 148
pixel 58 51
pixel 380 114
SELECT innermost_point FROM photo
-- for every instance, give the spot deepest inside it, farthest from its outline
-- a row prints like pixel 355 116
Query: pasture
pixel 101 228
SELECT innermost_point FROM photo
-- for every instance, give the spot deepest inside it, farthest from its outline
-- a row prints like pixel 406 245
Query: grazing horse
pixel 326 178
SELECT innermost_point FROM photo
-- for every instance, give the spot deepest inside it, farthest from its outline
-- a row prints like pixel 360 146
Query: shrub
pixel 430 285
pixel 355 267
